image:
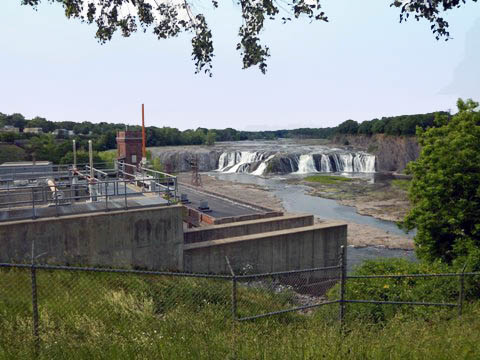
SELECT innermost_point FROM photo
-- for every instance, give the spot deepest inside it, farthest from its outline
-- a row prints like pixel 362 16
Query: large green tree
pixel 170 18
pixel 445 189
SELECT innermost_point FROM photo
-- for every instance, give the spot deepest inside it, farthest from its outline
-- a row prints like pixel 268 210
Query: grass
pixel 118 316
pixel 326 179
pixel 401 184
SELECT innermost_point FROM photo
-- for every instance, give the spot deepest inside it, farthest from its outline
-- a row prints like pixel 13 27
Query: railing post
pixel 56 200
pixel 461 292
pixel 106 196
pixel 33 204
pixel 343 273
pixel 125 193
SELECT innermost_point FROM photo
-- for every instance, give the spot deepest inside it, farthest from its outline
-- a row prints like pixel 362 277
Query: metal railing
pixel 15 173
pixel 109 189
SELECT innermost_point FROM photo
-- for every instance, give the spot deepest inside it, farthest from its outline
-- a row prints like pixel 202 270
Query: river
pixel 295 199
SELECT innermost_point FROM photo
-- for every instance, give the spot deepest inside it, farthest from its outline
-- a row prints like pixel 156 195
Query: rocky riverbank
pixel 385 200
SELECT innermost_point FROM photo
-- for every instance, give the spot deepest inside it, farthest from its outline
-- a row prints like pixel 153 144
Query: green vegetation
pixel 108 157
pixel 405 125
pixel 11 153
pixel 211 135
pixel 434 289
pixel 106 316
pixel 402 184
pixel 445 189
pixel 326 179
pixel 103 135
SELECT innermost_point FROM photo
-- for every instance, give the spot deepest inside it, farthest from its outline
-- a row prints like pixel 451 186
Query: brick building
pixel 129 147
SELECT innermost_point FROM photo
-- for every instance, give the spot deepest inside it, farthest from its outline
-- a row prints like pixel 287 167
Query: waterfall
pixel 243 159
pixel 306 165
pixel 226 160
pixel 325 165
pixel 325 162
pixel 263 166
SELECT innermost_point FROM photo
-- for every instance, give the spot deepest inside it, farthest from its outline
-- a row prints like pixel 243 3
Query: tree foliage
pixel 103 135
pixel 445 189
pixel 170 18
pixel 431 10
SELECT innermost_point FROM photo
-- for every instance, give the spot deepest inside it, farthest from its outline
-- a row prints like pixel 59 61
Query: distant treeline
pixel 56 148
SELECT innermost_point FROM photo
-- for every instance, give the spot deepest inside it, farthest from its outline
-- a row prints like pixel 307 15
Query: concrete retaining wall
pixel 197 216
pixel 147 238
pixel 247 228
pixel 300 248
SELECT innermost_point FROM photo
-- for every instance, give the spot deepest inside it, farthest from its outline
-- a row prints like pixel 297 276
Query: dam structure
pixel 126 215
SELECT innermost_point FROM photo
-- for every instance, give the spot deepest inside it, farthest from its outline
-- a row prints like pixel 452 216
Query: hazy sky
pixel 362 64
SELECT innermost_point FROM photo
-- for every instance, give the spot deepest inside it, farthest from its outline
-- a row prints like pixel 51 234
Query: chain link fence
pixel 49 308
pixel 261 295
pixel 46 309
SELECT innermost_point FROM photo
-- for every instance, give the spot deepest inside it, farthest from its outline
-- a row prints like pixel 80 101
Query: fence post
pixel 36 337
pixel 343 273
pixel 234 290
pixel 462 290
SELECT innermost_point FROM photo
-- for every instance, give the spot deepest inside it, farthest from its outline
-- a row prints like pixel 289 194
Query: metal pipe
pixel 33 204
pixel 399 303
pixel 144 150
pixel 74 155
pixel 298 308
pixel 106 196
pixel 125 191
pixel 90 157
pixel 342 285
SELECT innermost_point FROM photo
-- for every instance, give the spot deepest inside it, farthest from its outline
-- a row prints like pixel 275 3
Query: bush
pixel 414 289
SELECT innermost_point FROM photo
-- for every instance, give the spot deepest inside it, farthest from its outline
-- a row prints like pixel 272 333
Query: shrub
pixel 411 289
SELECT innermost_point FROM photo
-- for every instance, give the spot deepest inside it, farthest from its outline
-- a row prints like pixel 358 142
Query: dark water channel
pixel 295 199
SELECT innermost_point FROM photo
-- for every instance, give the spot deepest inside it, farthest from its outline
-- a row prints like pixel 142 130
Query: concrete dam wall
pixel 146 238
pixel 291 249
pixel 153 238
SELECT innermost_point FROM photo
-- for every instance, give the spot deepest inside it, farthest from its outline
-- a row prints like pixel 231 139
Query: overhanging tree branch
pixel 171 17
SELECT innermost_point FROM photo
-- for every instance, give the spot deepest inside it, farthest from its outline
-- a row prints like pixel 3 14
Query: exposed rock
pixel 178 159
pixel 392 152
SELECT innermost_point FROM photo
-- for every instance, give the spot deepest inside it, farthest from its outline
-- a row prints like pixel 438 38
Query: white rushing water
pixel 263 166
pixel 306 165
pixel 330 160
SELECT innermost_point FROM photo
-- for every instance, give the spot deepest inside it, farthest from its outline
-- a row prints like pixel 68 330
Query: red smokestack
pixel 144 151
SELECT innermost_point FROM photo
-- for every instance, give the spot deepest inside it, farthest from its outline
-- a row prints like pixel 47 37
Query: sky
pixel 360 65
